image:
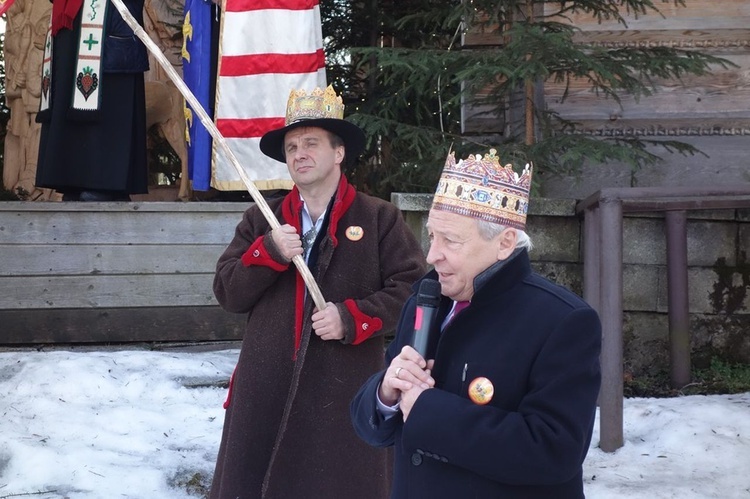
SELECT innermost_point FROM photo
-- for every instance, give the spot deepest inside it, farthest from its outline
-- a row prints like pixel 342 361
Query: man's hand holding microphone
pixel 409 372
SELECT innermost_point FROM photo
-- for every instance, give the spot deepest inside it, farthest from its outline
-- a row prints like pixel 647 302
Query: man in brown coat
pixel 287 431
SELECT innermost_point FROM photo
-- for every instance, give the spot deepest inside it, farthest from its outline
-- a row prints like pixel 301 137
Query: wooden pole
pixel 219 140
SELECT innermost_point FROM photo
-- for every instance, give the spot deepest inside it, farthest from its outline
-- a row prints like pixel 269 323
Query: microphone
pixel 428 300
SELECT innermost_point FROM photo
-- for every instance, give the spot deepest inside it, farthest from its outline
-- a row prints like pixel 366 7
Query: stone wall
pixel 718 276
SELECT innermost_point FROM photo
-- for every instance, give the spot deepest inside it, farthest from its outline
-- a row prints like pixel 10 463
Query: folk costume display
pixel 516 372
pixel 287 431
pixel 93 111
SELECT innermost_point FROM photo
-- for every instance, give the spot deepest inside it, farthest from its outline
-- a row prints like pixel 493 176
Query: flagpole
pixel 219 139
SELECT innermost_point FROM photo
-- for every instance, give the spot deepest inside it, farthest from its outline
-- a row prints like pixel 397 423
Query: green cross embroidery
pixel 90 41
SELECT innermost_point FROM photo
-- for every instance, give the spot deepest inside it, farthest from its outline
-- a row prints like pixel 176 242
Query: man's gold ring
pixel 398 370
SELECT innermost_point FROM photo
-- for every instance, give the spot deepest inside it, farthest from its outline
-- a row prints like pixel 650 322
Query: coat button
pixel 416 459
pixel 256 253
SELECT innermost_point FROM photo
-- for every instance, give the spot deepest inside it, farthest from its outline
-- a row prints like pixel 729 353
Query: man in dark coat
pixel 287 431
pixel 505 405
pixel 93 113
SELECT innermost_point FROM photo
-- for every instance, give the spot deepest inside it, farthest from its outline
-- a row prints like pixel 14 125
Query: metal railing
pixel 603 278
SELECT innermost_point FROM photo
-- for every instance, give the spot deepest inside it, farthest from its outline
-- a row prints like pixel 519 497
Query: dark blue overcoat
pixel 539 345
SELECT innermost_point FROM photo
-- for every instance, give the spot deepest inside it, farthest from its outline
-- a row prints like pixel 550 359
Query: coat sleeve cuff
pixel 258 254
pixel 364 325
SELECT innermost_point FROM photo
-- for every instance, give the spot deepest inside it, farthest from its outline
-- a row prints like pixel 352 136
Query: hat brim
pixel 272 142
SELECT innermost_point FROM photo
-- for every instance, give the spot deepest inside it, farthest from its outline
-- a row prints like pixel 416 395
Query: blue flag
pixel 198 75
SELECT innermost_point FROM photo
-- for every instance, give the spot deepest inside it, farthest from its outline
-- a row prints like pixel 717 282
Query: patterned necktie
pixel 308 239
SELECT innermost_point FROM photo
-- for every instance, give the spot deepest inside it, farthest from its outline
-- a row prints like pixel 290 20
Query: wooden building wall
pixel 710 112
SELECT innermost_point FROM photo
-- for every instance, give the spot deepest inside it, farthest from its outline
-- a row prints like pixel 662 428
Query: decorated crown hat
pixel 319 108
pixel 479 187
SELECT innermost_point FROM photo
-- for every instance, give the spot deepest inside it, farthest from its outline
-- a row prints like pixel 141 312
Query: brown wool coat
pixel 287 431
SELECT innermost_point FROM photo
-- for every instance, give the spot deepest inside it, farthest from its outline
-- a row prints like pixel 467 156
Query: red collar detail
pixel 343 199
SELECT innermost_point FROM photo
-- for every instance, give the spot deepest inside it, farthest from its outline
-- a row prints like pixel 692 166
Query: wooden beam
pixel 119 325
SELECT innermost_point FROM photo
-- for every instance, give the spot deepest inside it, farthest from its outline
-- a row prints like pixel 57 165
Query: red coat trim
pixel 257 254
pixel 364 325
pixel 344 198
pixel 231 388
pixel 290 210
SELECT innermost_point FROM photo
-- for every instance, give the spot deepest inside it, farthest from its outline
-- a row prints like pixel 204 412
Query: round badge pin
pixel 354 233
pixel 481 390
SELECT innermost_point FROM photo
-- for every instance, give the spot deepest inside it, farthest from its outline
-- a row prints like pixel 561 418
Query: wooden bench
pixel 113 272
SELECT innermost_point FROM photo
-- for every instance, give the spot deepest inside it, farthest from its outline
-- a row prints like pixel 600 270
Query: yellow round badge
pixel 481 391
pixel 354 233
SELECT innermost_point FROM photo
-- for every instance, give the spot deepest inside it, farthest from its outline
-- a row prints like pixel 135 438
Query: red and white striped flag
pixel 267 48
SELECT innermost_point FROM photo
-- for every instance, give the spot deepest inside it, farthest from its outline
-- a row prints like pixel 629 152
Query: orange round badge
pixel 354 233
pixel 481 391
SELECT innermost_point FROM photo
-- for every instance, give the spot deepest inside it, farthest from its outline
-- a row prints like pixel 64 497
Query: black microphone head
pixel 429 293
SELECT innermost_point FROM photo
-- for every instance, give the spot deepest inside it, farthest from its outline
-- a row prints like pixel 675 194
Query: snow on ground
pixel 147 424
